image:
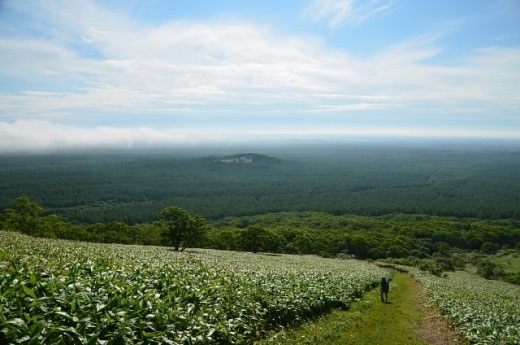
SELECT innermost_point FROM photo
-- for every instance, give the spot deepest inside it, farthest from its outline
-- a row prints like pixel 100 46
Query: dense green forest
pixel 369 180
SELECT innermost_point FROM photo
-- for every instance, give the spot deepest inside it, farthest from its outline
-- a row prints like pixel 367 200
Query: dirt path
pixel 435 330
pixel 406 320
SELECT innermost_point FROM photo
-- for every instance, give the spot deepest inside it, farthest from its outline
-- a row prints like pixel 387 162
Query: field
pixel 54 291
pixel 484 311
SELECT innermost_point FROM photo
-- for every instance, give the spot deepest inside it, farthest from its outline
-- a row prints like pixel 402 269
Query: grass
pixel 510 262
pixel 369 321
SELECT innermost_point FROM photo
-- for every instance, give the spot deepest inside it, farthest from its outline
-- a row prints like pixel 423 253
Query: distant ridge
pixel 246 158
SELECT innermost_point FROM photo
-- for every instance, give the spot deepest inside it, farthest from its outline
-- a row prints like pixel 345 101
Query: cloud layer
pixel 43 136
pixel 103 66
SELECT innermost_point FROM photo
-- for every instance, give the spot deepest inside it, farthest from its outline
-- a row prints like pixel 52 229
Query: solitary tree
pixel 183 229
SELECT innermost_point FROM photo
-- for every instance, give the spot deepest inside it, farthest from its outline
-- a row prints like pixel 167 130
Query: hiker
pixel 385 286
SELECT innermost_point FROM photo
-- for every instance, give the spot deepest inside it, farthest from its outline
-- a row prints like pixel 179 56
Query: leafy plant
pixel 55 291
pixel 484 312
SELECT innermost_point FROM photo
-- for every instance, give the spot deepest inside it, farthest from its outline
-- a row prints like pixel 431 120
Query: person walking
pixel 385 286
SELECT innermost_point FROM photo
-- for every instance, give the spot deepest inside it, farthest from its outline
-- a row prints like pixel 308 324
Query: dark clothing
pixel 384 285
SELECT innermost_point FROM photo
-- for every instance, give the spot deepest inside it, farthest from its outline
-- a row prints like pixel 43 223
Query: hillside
pixel 57 291
pixel 245 158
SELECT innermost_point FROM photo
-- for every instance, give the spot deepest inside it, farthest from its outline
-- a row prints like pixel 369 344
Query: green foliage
pixel 483 311
pixel 149 234
pixel 489 248
pixel 24 216
pixel 61 292
pixel 183 229
pixel 509 262
pixel 390 236
pixel 435 265
pixel 513 278
pixel 490 270
pixel 256 239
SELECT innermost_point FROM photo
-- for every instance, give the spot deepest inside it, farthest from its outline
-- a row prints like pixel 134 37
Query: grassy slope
pixel 510 262
pixel 400 322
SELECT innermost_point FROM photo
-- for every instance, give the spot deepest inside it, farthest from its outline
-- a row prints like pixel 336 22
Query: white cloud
pixel 240 63
pixel 102 64
pixel 335 12
pixel 338 12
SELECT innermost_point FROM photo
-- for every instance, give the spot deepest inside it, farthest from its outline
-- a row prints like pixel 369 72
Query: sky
pixel 130 73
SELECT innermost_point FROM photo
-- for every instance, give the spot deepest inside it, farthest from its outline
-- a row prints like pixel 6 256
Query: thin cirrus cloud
pixel 107 71
pixel 338 12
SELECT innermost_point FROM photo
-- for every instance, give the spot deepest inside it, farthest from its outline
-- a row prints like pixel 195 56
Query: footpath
pixel 406 319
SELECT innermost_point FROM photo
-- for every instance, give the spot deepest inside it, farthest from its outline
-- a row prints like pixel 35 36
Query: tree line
pixel 177 228
pixel 397 236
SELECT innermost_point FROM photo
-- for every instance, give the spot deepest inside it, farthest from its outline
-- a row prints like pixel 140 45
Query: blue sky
pixel 160 72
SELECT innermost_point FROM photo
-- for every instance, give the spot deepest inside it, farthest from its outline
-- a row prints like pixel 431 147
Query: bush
pixel 489 248
pixel 513 278
pixel 490 270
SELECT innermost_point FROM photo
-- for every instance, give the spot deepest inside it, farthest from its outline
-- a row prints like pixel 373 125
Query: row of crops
pixel 484 311
pixel 59 292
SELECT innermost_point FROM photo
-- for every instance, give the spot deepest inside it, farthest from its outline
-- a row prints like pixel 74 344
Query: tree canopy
pixel 349 179
pixel 182 229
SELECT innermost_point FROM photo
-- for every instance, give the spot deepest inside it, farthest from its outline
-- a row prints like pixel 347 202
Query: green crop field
pixel 54 291
pixel 66 292
pixel 484 311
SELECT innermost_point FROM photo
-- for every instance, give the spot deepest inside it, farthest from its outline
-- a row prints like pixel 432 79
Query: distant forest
pixel 366 180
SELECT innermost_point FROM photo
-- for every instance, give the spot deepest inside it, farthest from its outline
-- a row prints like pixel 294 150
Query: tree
pixel 54 226
pixel 149 234
pixel 304 243
pixel 117 232
pixel 224 239
pixel 359 246
pixel 24 216
pixel 183 229
pixel 256 238
pixel 489 248
pixel 442 248
pixel 490 270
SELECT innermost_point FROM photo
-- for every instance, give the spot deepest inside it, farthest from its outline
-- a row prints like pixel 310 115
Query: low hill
pixel 245 158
